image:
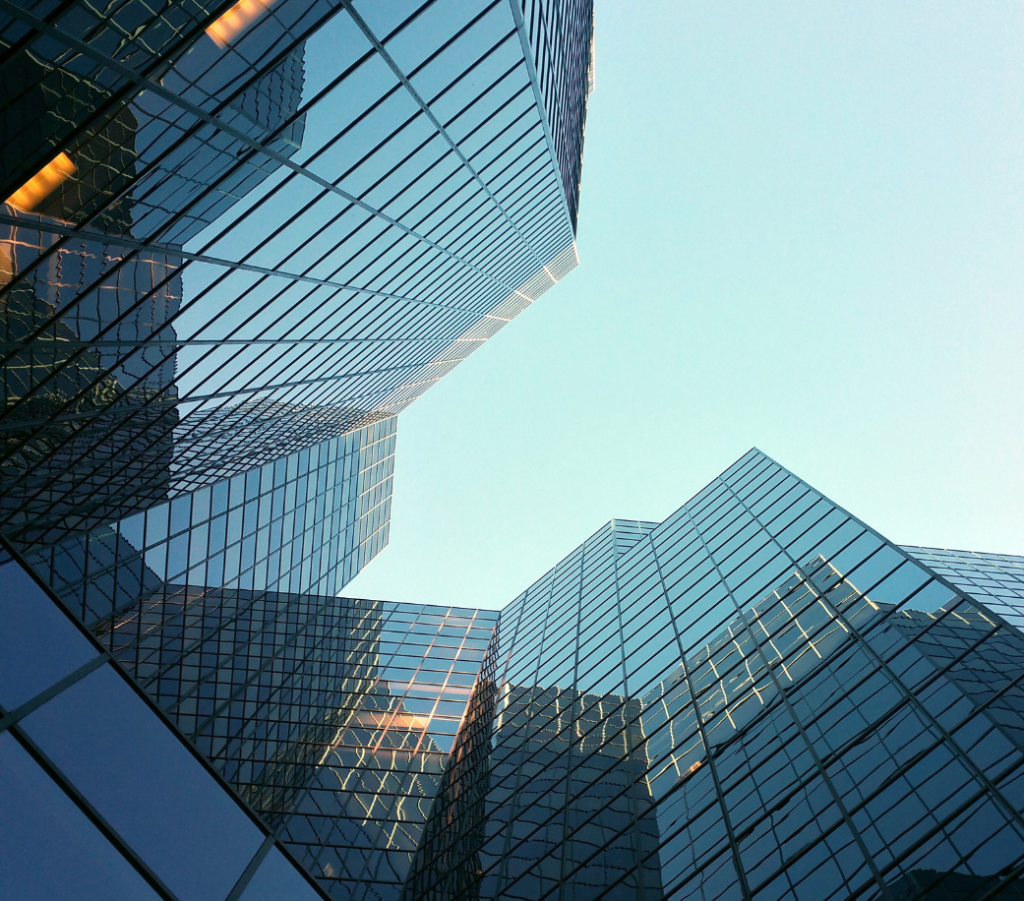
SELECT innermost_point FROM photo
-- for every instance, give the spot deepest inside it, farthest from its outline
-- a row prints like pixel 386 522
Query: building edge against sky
pixel 264 235
pixel 758 697
pixel 238 240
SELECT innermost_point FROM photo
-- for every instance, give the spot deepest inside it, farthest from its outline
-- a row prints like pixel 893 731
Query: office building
pixel 759 697
pixel 237 239
pixel 258 742
pixel 995 579
pixel 239 232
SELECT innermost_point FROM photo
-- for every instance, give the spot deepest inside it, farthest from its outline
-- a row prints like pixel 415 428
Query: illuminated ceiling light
pixel 43 183
pixel 236 20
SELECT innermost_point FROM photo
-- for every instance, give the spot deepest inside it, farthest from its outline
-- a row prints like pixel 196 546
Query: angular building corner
pixel 238 238
pixel 758 698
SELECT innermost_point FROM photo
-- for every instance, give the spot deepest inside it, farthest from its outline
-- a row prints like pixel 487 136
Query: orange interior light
pixel 238 18
pixel 43 183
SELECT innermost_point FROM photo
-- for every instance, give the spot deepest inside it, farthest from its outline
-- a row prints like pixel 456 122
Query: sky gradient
pixel 802 229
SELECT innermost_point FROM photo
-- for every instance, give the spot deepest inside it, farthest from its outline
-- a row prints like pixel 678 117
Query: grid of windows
pixel 236 239
pixel 560 35
pixel 362 815
pixel 307 522
pixel 332 717
pixel 995 579
pixel 759 697
pixel 93 772
pixel 300 214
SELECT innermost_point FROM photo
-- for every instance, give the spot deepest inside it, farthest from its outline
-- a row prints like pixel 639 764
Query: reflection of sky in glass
pixel 310 215
pixel 338 206
pixel 796 678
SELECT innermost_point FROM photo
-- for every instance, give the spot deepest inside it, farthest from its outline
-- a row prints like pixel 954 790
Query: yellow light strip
pixel 236 20
pixel 43 183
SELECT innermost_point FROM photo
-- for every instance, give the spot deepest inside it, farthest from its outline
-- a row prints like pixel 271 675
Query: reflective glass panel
pixel 278 880
pixel 49 851
pixel 38 643
pixel 147 785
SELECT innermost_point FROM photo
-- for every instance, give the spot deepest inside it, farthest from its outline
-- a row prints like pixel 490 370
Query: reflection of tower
pixel 548 786
pixel 90 400
pixel 343 663
pixel 332 717
pixel 447 864
pixel 365 813
pixel 568 799
pixel 370 795
pixel 87 423
pixel 262 688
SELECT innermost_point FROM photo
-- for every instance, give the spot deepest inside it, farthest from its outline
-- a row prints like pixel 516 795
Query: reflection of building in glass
pixel 306 522
pixel 93 267
pixel 815 715
pixel 363 817
pixel 238 239
pixel 757 698
pixel 91 767
pixel 580 760
pixel 296 214
pixel 331 716
pixel 87 424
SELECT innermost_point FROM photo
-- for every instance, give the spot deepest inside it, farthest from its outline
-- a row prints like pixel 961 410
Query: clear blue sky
pixel 801 228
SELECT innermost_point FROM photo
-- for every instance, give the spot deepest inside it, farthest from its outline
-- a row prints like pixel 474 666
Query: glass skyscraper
pixel 255 746
pixel 760 697
pixel 238 239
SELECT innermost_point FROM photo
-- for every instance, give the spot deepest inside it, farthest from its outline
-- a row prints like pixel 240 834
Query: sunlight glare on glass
pixel 236 20
pixel 43 183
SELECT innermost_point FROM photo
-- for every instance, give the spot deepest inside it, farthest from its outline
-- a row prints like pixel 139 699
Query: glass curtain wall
pixel 237 238
pixel 759 697
pixel 995 579
pixel 237 232
pixel 101 798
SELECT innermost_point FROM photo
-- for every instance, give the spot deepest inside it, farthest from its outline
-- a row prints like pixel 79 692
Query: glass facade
pixel 314 217
pixel 995 579
pixel 759 697
pixel 238 233
pixel 307 522
pixel 237 238
pixel 330 718
pixel 101 798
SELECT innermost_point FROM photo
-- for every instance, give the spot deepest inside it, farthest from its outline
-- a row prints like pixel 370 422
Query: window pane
pixel 49 851
pixel 276 880
pixel 38 643
pixel 147 785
